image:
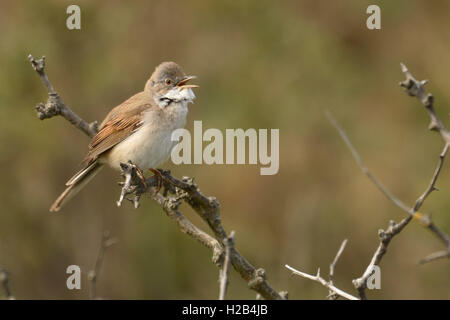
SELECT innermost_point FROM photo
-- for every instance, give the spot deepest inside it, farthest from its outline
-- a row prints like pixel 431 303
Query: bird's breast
pixel 150 145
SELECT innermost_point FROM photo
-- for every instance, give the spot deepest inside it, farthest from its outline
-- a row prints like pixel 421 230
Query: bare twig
pixel 186 190
pixel 332 295
pixel 93 275
pixel 436 256
pixel 425 219
pixel 4 281
pixel 413 88
pixel 338 255
pixel 322 281
pixel 363 167
pixel 223 273
pixel 393 228
pixel 334 292
pixel 55 106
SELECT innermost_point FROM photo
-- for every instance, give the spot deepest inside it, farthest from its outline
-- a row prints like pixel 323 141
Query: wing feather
pixel 119 124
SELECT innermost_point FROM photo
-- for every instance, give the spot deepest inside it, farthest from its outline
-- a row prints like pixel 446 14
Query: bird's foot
pixel 159 179
pixel 134 183
pixel 141 176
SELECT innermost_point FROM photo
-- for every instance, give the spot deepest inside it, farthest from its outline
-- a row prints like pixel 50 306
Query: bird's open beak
pixel 182 84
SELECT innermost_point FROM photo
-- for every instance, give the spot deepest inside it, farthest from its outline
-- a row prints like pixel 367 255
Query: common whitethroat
pixel 138 130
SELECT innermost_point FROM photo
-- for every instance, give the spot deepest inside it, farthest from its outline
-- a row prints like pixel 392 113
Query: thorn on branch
pixel 322 281
pixel 415 88
pixel 38 65
pixel 334 292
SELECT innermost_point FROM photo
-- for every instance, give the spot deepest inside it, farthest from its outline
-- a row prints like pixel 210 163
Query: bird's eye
pixel 168 82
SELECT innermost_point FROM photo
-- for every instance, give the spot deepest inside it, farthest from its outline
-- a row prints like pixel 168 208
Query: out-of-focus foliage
pixel 260 64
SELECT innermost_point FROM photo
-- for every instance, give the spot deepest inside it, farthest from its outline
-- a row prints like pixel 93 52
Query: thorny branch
pixel 322 281
pixel 413 88
pixel 333 291
pixel 393 228
pixel 175 192
pixel 93 275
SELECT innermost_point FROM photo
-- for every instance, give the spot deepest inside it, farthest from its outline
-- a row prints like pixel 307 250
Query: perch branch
pixel 176 190
pixel 93 275
pixel 208 208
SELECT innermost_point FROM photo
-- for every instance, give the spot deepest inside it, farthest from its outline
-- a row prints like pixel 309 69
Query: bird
pixel 138 130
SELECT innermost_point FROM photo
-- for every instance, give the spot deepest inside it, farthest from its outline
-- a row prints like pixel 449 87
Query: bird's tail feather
pixel 75 184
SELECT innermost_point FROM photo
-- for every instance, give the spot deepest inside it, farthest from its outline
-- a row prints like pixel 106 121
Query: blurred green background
pixel 260 64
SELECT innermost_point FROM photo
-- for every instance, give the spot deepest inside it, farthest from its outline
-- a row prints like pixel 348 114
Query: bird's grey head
pixel 168 84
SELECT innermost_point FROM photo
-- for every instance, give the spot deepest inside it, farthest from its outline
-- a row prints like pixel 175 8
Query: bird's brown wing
pixel 120 123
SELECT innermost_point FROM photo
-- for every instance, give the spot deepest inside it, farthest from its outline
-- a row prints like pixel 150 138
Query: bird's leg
pixel 134 183
pixel 140 174
pixel 159 179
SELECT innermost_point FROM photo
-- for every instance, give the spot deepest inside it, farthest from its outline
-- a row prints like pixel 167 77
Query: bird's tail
pixel 75 184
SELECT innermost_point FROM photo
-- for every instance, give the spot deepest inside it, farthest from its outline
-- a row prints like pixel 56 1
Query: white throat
pixel 175 95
